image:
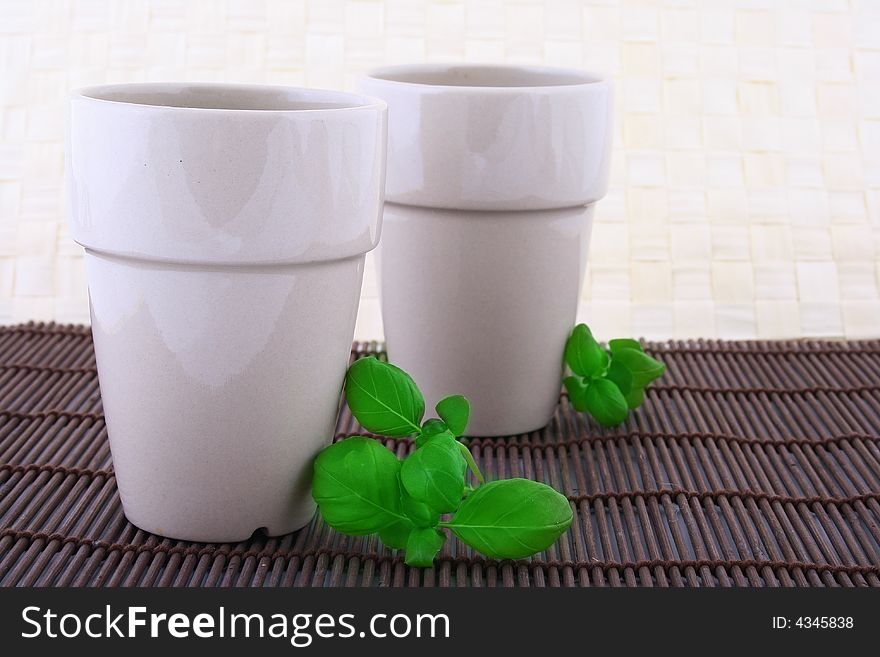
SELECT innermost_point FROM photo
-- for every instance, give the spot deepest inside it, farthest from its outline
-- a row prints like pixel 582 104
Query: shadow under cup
pixel 493 174
pixel 225 229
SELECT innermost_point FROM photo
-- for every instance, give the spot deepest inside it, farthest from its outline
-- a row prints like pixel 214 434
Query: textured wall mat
pixel 750 464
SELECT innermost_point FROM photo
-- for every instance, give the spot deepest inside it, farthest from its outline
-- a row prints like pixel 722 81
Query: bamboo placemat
pixel 750 464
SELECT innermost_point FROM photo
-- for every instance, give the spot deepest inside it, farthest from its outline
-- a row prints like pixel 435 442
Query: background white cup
pixel 225 228
pixel 492 176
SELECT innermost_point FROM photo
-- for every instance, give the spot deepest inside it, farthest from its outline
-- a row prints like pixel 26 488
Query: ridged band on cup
pixel 473 137
pixel 225 174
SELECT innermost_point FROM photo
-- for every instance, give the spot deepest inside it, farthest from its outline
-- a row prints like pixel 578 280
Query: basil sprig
pixel 607 384
pixel 362 488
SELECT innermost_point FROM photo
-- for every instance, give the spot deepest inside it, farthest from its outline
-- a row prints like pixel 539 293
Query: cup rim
pixel 578 79
pixel 325 100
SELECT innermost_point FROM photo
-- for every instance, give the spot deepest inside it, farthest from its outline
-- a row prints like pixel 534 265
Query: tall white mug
pixel 225 229
pixel 493 173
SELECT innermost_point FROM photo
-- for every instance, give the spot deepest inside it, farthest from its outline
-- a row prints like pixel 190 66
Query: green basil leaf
pixel 455 411
pixel 606 403
pixel 434 426
pixel 643 368
pixel 583 354
pixel 356 486
pixel 621 376
pixel 635 397
pixel 624 343
pixel 511 518
pixel 430 429
pixel 419 513
pixel 383 398
pixel 396 534
pixel 434 474
pixel 577 392
pixel 422 546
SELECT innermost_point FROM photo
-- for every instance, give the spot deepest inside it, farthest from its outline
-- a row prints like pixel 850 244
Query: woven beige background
pixel 745 197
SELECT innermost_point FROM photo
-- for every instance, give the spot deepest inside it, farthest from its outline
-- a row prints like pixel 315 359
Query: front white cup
pixel 225 228
pixel 493 173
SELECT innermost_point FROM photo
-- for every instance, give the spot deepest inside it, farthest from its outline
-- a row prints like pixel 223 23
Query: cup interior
pixel 484 76
pixel 226 97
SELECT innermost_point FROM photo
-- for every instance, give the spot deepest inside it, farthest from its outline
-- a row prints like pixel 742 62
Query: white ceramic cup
pixel 225 229
pixel 493 173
